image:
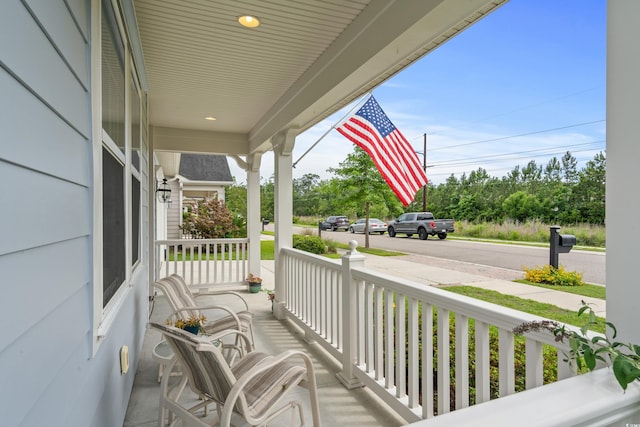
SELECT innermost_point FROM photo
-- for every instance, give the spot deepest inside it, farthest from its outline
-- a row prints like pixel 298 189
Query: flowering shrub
pixel 553 276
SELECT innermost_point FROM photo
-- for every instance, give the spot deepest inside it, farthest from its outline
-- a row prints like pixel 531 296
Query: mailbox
pixel 559 244
pixel 567 240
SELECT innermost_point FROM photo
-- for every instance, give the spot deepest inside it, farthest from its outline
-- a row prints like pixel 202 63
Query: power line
pixel 518 136
pixel 578 159
pixel 495 156
pixel 471 163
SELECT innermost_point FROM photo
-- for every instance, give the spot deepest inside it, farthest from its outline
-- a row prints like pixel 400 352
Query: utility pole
pixel 424 165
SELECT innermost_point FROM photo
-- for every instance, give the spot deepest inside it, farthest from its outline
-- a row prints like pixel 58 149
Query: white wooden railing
pixel 203 261
pixel 382 329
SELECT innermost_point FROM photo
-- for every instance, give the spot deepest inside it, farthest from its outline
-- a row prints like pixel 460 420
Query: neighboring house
pixel 200 176
pixel 92 90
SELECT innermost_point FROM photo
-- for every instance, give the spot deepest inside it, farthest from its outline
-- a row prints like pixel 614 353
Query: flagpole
pixel 366 96
pixel 424 165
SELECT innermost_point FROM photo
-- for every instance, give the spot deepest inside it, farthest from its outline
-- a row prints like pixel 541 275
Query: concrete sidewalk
pixel 433 271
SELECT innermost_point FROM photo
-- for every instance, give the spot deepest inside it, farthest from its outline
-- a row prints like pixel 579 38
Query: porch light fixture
pixel 164 192
pixel 248 21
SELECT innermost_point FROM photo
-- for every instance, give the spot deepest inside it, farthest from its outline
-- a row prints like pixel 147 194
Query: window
pixel 113 226
pixel 113 159
pixel 135 105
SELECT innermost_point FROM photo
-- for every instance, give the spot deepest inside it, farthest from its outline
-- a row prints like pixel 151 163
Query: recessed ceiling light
pixel 248 21
pixel 210 118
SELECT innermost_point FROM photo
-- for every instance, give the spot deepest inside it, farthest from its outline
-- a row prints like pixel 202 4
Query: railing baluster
pixel 462 361
pixel 506 374
pixel 444 381
pixel 534 367
pixel 482 362
pixel 361 328
pixel 388 331
pixel 400 347
pixel 427 360
pixel 369 326
pixel 379 333
pixel 412 343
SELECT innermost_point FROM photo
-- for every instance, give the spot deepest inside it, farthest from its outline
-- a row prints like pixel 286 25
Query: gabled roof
pixel 205 167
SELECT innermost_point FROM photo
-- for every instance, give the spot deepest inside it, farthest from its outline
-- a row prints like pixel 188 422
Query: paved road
pixel 502 256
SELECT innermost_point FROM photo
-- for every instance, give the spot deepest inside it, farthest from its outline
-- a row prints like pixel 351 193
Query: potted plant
pixel 271 296
pixel 255 283
pixel 191 324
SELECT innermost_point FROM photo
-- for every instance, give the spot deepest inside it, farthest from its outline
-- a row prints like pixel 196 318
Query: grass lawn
pixel 541 309
pixel 593 291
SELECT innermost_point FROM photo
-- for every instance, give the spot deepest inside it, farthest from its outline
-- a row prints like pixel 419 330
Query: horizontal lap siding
pixel 46 217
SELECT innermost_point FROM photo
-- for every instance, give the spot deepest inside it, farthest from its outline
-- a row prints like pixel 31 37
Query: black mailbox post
pixel 559 244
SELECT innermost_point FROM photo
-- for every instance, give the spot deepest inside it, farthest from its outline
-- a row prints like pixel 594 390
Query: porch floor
pixel 338 406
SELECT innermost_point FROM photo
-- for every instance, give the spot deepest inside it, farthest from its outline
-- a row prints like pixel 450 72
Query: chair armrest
pixel 236 294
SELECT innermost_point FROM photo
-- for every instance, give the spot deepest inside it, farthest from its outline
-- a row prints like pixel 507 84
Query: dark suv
pixel 335 223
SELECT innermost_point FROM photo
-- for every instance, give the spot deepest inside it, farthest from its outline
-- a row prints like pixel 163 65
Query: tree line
pixel 557 192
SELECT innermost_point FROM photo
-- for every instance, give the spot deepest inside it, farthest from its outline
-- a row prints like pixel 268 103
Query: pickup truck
pixel 421 223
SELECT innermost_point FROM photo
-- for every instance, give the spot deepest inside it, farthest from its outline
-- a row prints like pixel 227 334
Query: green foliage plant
pixel 313 244
pixel 332 246
pixel 586 351
pixel 553 276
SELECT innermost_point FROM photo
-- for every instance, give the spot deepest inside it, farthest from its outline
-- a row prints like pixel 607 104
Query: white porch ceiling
pixel 306 60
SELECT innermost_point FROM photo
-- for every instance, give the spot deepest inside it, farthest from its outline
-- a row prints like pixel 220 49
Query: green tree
pixel 306 199
pixel 362 185
pixel 521 206
pixel 267 198
pixel 236 199
pixel 589 193
pixel 569 168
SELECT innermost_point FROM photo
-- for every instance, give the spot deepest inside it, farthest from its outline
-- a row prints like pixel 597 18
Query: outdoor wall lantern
pixel 164 192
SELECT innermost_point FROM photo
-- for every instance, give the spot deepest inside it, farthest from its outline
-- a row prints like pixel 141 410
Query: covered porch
pixel 335 324
pixel 306 287
pixel 338 405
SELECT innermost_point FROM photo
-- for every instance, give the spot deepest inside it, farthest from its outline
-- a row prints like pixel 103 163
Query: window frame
pixel 104 315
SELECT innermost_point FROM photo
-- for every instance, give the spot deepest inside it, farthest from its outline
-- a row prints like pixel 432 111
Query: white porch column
pixel 623 155
pixel 283 209
pixel 254 222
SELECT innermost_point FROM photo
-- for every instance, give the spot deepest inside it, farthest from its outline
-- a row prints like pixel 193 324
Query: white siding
pixel 48 374
pixel 174 212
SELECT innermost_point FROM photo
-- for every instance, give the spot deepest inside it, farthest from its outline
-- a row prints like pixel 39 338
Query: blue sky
pixel 530 67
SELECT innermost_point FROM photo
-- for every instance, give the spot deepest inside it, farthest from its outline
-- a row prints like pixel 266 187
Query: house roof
pixel 205 167
pixel 305 61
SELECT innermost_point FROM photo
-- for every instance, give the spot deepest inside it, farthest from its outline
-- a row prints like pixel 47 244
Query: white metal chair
pixel 257 387
pixel 184 305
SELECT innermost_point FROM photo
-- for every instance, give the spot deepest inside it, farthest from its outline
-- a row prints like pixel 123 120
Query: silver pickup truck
pixel 421 223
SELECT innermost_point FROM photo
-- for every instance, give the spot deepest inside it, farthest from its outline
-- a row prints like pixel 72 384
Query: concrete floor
pixel 339 406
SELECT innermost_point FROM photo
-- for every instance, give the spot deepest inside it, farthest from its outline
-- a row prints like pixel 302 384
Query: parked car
pixel 422 223
pixel 375 226
pixel 335 223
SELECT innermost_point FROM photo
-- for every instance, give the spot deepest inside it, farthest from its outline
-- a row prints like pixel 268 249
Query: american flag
pixel 370 129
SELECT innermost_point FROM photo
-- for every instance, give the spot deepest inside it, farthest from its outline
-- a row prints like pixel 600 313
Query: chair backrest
pixel 179 295
pixel 207 370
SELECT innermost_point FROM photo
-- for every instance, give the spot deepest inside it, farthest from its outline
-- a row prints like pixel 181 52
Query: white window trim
pixel 104 317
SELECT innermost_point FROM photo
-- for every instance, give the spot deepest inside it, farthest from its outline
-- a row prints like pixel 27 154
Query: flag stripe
pixel 370 129
pixel 387 166
pixel 389 169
